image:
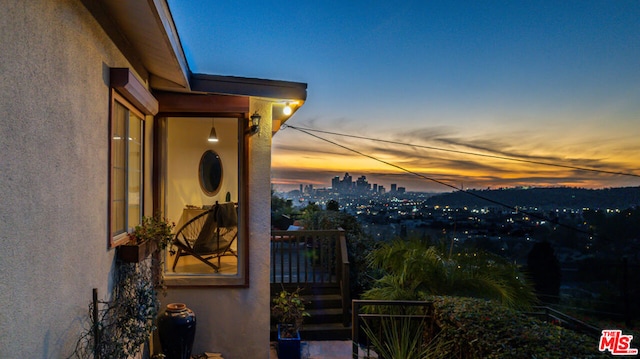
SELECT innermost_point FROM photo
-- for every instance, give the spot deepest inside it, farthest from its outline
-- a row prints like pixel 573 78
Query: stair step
pixel 324 304
pixel 322 301
pixel 306 289
pixel 324 315
pixel 327 331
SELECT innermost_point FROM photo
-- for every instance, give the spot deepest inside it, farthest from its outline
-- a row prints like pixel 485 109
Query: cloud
pixel 440 153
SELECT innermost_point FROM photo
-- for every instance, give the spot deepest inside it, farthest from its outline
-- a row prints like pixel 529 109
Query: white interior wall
pixel 187 141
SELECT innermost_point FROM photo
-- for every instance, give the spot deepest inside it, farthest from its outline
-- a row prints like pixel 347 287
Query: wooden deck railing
pixel 309 258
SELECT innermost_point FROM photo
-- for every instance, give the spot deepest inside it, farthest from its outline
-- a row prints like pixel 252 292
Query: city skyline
pixel 550 82
pixel 346 183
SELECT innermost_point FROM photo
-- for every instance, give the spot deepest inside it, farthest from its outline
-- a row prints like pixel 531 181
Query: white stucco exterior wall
pixel 235 321
pixel 54 103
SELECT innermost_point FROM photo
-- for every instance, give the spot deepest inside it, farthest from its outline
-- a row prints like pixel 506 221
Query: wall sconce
pixel 255 123
pixel 287 109
pixel 213 137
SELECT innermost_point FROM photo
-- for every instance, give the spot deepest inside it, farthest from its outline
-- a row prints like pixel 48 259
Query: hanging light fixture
pixel 287 109
pixel 213 137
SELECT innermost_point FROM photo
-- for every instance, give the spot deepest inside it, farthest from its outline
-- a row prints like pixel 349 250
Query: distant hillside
pixel 544 197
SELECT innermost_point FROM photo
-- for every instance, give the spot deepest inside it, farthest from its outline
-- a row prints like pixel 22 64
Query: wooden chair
pixel 208 235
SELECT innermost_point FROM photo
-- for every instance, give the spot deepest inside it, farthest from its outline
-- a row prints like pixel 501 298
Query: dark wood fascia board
pixel 249 87
pixel 185 103
pixel 108 24
pixel 128 85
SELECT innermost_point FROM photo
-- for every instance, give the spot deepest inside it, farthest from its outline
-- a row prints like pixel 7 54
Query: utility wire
pixel 466 152
pixel 534 215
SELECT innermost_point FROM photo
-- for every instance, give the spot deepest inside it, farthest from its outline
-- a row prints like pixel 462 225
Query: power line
pixel 467 152
pixel 534 215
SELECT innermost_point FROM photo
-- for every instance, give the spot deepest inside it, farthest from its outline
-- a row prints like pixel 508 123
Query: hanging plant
pixel 123 325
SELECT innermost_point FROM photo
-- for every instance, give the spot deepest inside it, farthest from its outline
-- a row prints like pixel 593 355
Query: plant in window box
pixel 150 237
pixel 154 233
pixel 289 310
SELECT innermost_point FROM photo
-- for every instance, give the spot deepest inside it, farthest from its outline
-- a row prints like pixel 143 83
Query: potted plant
pixel 289 310
pixel 154 233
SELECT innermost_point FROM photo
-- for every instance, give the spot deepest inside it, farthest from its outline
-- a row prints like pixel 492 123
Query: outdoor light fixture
pixel 287 109
pixel 213 137
pixel 255 123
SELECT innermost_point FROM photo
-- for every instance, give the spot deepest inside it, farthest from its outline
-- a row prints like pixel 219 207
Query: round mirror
pixel 210 172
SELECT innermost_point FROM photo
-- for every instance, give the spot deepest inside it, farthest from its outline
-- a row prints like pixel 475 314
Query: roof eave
pixel 145 33
pixel 244 86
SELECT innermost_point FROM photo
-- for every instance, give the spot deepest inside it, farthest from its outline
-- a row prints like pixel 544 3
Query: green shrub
pixel 485 329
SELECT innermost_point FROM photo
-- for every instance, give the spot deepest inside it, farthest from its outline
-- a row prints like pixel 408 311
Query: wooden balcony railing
pixel 308 258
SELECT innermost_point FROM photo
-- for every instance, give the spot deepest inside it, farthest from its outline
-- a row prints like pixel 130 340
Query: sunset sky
pixel 542 81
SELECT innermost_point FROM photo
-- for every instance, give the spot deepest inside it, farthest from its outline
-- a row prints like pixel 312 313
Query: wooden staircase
pixel 317 262
pixel 324 304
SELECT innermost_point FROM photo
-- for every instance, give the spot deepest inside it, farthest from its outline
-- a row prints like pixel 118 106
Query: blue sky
pixel 553 81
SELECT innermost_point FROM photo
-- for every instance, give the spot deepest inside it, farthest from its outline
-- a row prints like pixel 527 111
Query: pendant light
pixel 213 137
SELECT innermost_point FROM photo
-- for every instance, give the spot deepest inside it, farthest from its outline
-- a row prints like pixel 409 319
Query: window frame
pixel 241 279
pixel 126 89
pixel 119 236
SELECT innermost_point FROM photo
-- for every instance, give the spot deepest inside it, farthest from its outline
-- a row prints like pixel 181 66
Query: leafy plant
pixel 125 322
pixel 156 228
pixel 289 310
pixel 485 329
pixel 159 230
pixel 415 270
pixel 404 338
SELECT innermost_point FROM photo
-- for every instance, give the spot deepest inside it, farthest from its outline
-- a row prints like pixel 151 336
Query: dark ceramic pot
pixel 176 330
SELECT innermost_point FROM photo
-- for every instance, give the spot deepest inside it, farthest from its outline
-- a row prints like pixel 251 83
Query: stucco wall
pixel 54 94
pixel 54 101
pixel 235 321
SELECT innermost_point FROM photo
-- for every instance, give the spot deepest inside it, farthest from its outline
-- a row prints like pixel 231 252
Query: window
pixel 130 102
pixel 202 183
pixel 127 177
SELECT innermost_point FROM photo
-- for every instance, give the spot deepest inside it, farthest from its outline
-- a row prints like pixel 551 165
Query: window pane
pixel 134 171
pixel 208 220
pixel 118 169
pixel 117 218
pixel 126 167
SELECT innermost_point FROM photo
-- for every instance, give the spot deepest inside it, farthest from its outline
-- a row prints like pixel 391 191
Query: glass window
pixel 202 182
pixel 126 168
